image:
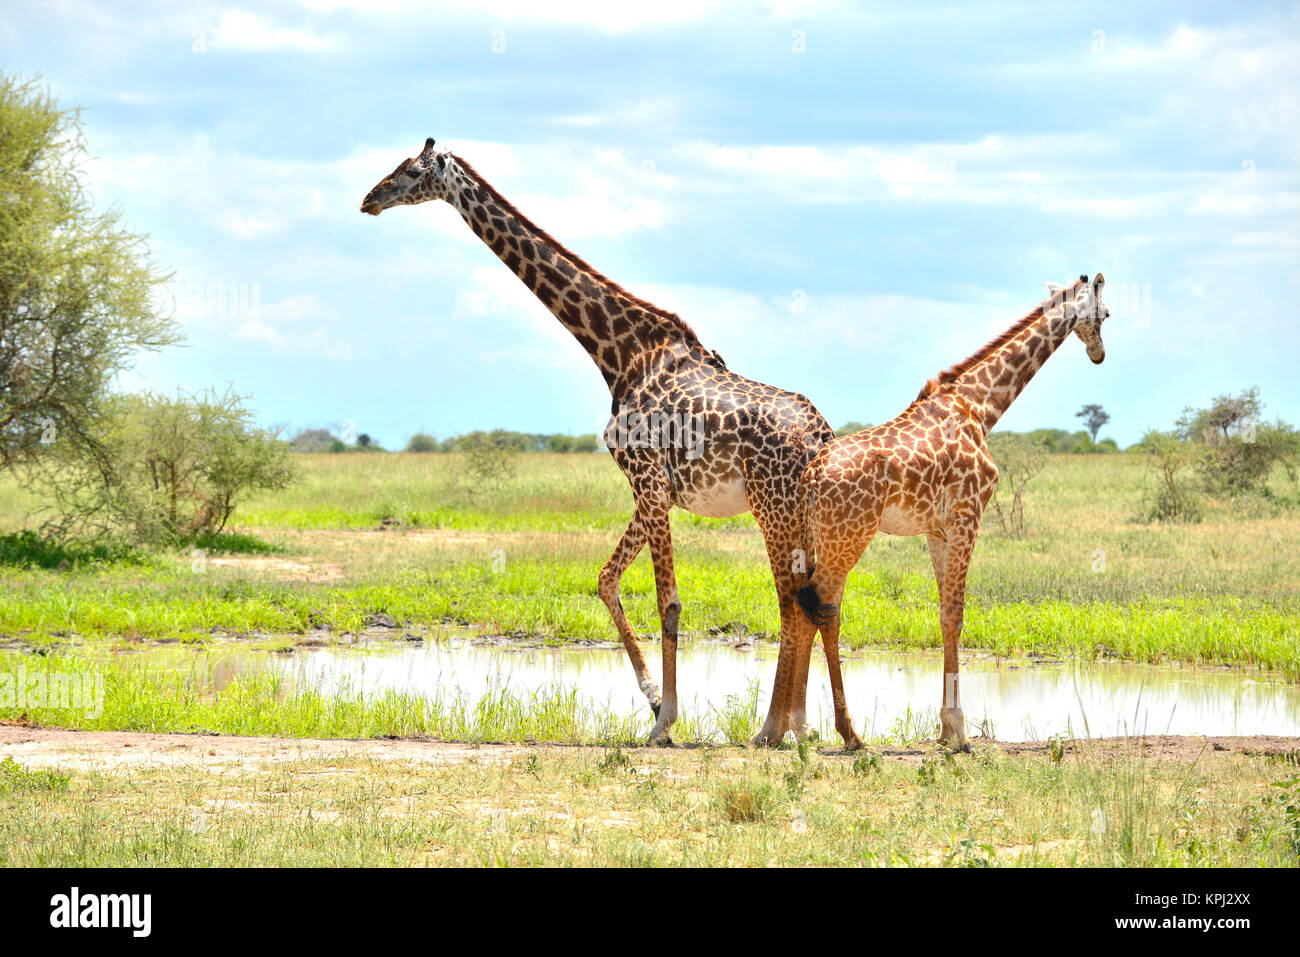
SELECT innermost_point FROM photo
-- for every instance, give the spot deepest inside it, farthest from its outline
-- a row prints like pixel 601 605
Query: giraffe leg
pixel 831 645
pixel 780 714
pixel 652 512
pixel 951 559
pixel 827 584
pixel 611 575
pixel 805 635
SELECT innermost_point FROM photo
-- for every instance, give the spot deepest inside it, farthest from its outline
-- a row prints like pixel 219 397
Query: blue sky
pixel 840 200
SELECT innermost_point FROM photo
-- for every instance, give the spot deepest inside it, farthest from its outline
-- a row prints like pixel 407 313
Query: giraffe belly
pixel 896 520
pixel 720 500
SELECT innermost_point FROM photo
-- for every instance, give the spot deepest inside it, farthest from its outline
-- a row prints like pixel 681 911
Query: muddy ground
pixel 36 747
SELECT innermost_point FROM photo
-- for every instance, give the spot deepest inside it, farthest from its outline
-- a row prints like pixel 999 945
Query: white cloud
pixel 595 14
pixel 298 309
pixel 240 30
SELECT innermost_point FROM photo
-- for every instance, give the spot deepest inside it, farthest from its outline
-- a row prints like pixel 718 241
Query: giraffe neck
pixel 621 333
pixel 994 382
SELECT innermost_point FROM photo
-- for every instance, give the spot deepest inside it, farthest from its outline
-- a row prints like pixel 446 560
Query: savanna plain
pixel 189 763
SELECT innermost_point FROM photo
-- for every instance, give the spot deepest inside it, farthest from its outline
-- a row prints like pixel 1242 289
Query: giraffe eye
pixel 413 172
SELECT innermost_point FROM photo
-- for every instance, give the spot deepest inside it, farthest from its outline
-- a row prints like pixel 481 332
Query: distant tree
pixel 76 288
pixel 422 442
pixel 1238 449
pixel 1094 417
pixel 1078 443
pixel 848 428
pixel 585 443
pixel 489 457
pixel 313 440
pixel 1050 439
pixel 1226 416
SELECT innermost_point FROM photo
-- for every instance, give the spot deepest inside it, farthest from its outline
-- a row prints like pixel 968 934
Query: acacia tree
pixel 1094 417
pixel 168 469
pixel 1239 450
pixel 76 288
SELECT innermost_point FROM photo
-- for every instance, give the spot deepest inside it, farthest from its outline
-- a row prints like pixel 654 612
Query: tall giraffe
pixel 684 429
pixel 926 472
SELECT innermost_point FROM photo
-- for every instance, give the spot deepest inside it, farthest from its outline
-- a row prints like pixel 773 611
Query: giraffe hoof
pixel 952 730
pixel 765 740
pixel 852 743
pixel 662 741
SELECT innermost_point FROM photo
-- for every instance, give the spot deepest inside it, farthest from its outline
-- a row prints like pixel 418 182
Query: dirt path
pixel 111 750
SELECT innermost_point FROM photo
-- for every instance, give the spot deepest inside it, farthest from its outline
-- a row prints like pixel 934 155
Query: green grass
pixel 26 549
pixel 1087 580
pixel 16 779
pixel 197 693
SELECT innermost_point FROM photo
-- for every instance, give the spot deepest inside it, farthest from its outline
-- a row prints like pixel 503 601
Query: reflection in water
pixel 1021 700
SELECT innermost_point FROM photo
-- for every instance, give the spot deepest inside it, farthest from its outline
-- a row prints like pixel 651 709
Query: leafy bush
pixel 165 469
pixel 1238 451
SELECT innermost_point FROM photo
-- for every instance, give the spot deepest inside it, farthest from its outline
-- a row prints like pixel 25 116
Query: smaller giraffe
pixel 926 472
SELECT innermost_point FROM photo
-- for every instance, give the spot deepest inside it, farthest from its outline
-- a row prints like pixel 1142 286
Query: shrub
pixel 1018 459
pixel 489 458
pixel 166 469
pixel 1171 498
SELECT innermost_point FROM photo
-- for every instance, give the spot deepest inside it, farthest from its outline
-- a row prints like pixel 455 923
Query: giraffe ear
pixel 1098 283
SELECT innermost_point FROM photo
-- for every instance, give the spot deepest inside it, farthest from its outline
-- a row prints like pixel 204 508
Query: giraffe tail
pixel 814 609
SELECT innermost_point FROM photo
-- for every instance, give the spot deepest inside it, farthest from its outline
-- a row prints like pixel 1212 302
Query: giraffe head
pixel 1090 311
pixel 1084 304
pixel 416 180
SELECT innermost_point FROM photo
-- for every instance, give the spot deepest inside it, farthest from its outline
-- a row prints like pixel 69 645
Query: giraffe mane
pixel 997 342
pixel 606 283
